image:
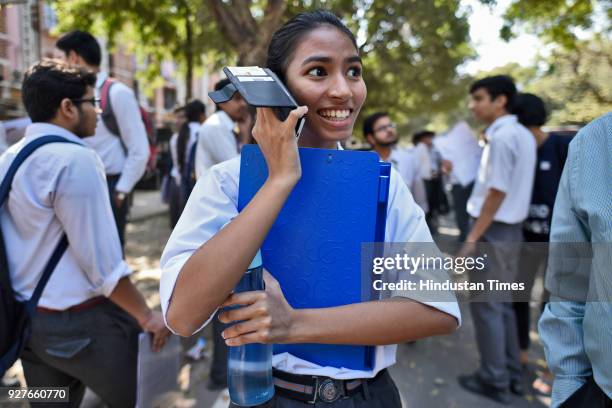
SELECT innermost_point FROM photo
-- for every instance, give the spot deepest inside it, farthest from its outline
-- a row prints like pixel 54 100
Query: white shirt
pixel 424 160
pixel 508 165
pixel 461 148
pixel 3 143
pixel 213 203
pixel 59 189
pixel 130 166
pixel 194 127
pixel 405 162
pixel 216 142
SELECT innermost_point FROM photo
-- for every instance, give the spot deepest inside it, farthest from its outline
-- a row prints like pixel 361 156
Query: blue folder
pixel 314 247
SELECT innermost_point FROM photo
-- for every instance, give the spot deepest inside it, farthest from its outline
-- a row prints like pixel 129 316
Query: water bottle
pixel 249 367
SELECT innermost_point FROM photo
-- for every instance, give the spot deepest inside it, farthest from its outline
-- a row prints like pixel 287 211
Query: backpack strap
pixel 5 187
pixel 107 115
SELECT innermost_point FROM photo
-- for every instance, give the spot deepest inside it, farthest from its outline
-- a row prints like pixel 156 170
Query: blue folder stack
pixel 314 247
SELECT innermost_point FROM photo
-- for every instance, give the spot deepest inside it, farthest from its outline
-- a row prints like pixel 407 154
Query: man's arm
pixel 133 134
pixel 82 206
pixel 561 323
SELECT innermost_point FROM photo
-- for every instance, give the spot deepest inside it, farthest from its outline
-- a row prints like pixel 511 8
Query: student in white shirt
pixel 88 319
pixel 498 205
pixel 175 205
pixel 317 58
pixel 125 154
pixel 219 136
pixel 184 150
pixel 380 132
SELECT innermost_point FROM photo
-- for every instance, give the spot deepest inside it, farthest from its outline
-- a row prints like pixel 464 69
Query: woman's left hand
pixel 264 316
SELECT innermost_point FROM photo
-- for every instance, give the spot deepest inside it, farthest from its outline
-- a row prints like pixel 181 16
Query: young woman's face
pixel 325 75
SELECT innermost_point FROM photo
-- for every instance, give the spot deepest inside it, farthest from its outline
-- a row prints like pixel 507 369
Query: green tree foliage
pixel 555 21
pixel 154 31
pixel 410 48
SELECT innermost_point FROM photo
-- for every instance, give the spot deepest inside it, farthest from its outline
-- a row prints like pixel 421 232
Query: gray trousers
pixel 96 347
pixel 380 393
pixel 495 321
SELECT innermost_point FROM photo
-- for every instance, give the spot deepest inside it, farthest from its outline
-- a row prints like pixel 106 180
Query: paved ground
pixel 425 372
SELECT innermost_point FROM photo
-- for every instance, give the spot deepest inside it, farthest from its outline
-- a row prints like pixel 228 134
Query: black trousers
pixel 461 196
pixel 588 396
pixel 96 347
pixel 120 213
pixel 380 393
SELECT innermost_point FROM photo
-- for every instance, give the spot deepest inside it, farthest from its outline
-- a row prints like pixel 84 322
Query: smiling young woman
pixel 318 59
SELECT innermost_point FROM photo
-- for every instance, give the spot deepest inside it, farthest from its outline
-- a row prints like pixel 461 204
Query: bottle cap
pixel 256 261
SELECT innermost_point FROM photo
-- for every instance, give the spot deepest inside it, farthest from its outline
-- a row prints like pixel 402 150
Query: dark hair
pixel 221 84
pixel 420 135
pixel 530 110
pixel 368 123
pixel 178 109
pixel 497 85
pixel 285 39
pixel 47 83
pixel 83 43
pixel 193 111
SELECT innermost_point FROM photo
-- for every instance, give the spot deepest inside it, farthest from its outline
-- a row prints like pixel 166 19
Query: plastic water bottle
pixel 249 367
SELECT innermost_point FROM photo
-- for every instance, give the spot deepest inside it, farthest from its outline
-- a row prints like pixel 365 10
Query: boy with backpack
pixel 120 138
pixel 67 306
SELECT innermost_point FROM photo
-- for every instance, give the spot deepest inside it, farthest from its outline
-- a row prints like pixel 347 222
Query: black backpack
pixel 15 316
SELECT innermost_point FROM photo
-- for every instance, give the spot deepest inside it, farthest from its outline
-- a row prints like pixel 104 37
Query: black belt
pixel 312 388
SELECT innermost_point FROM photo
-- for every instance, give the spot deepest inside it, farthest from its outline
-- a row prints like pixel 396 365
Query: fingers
pixel 249 326
pixel 244 298
pixel 255 337
pixel 258 309
pixel 295 115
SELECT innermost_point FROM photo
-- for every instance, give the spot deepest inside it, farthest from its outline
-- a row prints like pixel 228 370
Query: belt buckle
pixel 328 391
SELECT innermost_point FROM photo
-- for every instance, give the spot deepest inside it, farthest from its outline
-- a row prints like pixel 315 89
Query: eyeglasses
pixel 385 127
pixel 95 102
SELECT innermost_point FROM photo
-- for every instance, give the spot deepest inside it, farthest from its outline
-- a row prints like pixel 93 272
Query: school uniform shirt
pixel 125 154
pixel 60 188
pixel 508 165
pixel 194 127
pixel 213 203
pixel 216 142
pixel 405 162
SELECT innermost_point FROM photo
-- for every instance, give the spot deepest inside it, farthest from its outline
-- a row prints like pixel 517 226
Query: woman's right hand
pixel 278 144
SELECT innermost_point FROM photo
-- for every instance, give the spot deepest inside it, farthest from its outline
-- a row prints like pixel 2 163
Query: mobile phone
pixel 259 87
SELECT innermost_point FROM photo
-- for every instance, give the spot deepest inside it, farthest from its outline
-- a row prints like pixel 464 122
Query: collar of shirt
pixel 100 78
pixel 39 129
pixel 500 122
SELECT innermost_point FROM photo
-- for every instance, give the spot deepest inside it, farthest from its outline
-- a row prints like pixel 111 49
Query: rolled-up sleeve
pixel 406 224
pixel 211 205
pixel 82 206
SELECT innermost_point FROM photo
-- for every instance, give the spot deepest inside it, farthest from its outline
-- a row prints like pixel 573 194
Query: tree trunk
pixel 248 37
pixel 188 56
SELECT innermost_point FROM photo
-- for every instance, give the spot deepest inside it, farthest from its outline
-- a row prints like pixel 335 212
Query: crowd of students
pixel 86 323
